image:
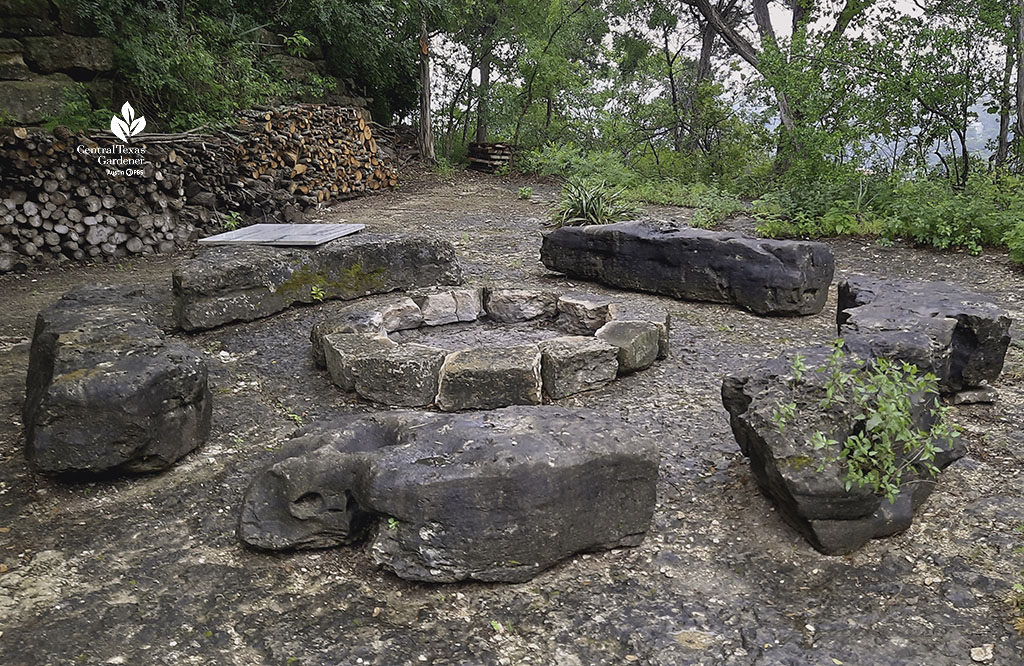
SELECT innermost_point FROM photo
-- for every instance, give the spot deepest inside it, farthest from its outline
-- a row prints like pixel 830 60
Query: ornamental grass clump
pixel 585 203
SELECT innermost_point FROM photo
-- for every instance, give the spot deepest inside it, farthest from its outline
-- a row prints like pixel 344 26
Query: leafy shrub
pixel 569 160
pixel 930 212
pixel 1015 241
pixel 713 204
pixel 887 444
pixel 77 112
pixel 585 203
pixel 525 192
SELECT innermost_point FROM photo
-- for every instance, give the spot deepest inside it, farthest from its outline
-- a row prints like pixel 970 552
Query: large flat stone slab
pixel 106 391
pixel 283 235
pixel 488 496
pixel 958 335
pixel 767 277
pixel 222 284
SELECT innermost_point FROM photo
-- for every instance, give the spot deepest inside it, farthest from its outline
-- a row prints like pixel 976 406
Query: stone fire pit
pixel 419 350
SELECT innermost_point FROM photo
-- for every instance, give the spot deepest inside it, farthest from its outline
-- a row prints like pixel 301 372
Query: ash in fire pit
pixel 470 348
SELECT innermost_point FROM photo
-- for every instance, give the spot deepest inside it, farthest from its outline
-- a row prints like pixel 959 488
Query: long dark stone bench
pixel 767 277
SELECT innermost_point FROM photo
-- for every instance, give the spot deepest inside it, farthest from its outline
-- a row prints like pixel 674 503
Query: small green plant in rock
pixel 525 192
pixel 585 203
pixel 393 523
pixel 886 442
pixel 317 293
pixel 232 220
pixel 295 418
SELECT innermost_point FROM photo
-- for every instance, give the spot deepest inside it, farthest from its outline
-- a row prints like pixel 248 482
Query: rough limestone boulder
pixel 636 341
pixel 227 283
pixel 767 277
pixel 68 53
pixel 958 335
pixel 373 316
pixel 575 363
pixel 489 496
pixel 490 377
pixel 405 375
pixel 106 391
pixel 514 305
pixel 786 465
pixel 584 314
pixel 448 306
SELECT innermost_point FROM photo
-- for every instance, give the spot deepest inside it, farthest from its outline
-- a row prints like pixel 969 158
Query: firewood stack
pixel 58 202
pixel 489 157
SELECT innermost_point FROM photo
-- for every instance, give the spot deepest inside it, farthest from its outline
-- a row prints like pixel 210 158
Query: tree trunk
pixel 426 135
pixel 483 93
pixel 677 139
pixel 550 112
pixel 1019 131
pixel 1003 145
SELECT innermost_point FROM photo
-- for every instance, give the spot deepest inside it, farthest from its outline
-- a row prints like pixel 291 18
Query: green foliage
pixel 77 113
pixel 713 204
pixel 1015 241
pixel 445 169
pixel 525 192
pixel 930 212
pixel 6 119
pixel 232 220
pixel 297 44
pixel 570 160
pixel 585 203
pixel 317 293
pixel 886 443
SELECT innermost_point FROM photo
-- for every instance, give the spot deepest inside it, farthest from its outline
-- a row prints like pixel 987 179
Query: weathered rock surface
pixel 767 277
pixel 514 305
pixel 576 363
pixel 786 465
pixel 958 335
pixel 583 314
pixel 490 377
pixel 67 53
pixel 343 350
pixel 447 306
pixel 240 283
pixel 635 311
pixel 106 391
pixel 374 316
pixel 30 102
pixel 490 496
pixel 404 375
pixel 637 343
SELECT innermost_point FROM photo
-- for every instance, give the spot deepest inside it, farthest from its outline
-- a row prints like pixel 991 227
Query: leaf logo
pixel 129 126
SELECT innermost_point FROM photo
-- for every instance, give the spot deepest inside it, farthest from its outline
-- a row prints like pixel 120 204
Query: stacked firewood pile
pixel 489 157
pixel 69 196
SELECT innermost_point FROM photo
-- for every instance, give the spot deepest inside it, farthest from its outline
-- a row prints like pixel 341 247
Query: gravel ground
pixel 148 570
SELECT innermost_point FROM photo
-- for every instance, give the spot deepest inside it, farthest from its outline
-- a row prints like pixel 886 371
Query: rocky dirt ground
pixel 148 570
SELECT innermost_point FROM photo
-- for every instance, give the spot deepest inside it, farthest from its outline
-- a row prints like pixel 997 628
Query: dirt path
pixel 148 570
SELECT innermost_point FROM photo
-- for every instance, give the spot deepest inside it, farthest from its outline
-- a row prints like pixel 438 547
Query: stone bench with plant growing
pixel 847 449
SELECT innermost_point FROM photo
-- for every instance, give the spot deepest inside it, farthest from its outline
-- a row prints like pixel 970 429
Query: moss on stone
pixel 344 283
